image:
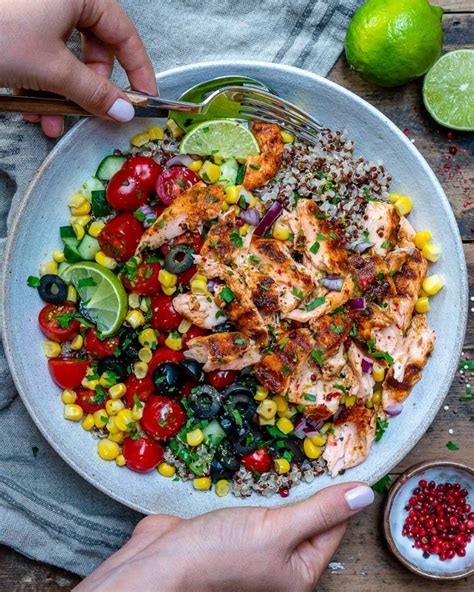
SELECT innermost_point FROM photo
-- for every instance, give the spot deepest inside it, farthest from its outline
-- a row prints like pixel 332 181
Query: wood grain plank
pixel 450 6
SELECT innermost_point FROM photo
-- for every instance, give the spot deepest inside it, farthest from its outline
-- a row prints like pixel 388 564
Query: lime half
pixel 448 90
pixel 101 293
pixel 220 137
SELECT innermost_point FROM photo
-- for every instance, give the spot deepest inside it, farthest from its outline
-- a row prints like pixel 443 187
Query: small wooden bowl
pixel 441 471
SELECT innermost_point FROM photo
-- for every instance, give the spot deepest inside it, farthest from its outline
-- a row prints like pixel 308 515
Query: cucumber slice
pixel 100 206
pixel 91 184
pixel 71 253
pixel 229 170
pixel 62 267
pixel 88 248
pixel 68 235
pixel 109 166
pixel 214 433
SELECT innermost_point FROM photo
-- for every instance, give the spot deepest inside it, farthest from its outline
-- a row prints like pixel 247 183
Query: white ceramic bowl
pixel 34 236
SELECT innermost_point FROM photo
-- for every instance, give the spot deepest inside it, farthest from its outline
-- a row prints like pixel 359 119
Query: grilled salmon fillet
pixel 223 351
pixel 363 382
pixel 199 309
pixel 188 211
pixel 317 305
pixel 330 331
pixel 381 223
pixel 262 167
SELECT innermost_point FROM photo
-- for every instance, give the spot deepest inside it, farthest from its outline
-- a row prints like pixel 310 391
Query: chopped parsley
pixel 237 417
pixel 466 365
pixel 33 281
pixel 255 167
pixel 254 259
pixel 382 425
pixel 452 446
pixel 236 239
pixel 227 295
pixel 320 216
pixel 315 303
pixel 314 248
pixel 137 403
pixel 86 282
pixel 383 485
pixel 336 329
pixel 139 215
pixel 285 369
pixel 309 397
pixel 378 354
pixel 283 342
pixel 298 293
pixel 240 174
pixel 318 356
pixel 240 341
pixel 321 236
pixel 386 245
pixel 353 332
pixel 333 235
pixel 64 320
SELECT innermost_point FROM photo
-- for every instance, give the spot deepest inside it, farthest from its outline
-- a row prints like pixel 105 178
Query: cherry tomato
pixel 174 181
pixel 146 281
pixel 185 277
pixel 120 237
pixel 100 348
pixel 142 454
pixel 193 239
pixel 219 379
pixel 125 191
pixel 56 322
pixel 141 387
pixel 164 354
pixel 162 417
pixel 194 331
pixel 67 372
pixel 164 316
pixel 258 461
pixel 145 169
pixel 86 400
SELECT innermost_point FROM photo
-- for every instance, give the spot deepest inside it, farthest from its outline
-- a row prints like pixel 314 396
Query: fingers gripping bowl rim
pixel 82 149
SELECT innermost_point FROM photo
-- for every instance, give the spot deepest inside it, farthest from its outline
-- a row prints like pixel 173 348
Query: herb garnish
pixel 33 281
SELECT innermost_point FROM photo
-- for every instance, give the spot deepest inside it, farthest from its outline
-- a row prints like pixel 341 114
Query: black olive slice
pixel 52 289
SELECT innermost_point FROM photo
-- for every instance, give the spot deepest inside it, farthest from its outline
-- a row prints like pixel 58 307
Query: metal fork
pixel 253 103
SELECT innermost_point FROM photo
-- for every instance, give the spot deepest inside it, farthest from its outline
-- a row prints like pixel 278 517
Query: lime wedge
pixel 101 293
pixel 448 90
pixel 220 137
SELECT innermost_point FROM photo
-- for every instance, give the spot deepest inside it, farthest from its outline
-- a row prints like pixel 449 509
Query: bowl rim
pixel 19 215
pixel 394 490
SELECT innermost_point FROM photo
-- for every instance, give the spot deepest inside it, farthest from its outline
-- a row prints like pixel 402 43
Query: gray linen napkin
pixel 47 512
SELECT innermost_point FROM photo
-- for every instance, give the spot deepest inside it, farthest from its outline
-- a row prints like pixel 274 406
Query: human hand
pixel 34 54
pixel 245 549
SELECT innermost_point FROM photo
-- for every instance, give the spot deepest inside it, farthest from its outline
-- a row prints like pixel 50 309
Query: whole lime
pixel 391 42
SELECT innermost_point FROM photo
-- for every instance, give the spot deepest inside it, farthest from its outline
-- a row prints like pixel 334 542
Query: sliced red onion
pixel 394 409
pixel 359 246
pixel 212 285
pixel 334 284
pixel 367 366
pixel 149 213
pixel 250 216
pixel 307 428
pixel 179 160
pixel 356 303
pixel 272 214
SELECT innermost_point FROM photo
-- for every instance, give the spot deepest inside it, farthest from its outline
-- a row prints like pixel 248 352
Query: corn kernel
pixel 319 440
pixel 267 409
pixel 148 338
pixel 107 449
pixel 137 412
pixel 310 449
pixel 117 390
pixel 349 400
pixel 113 406
pixel 156 133
pixel 285 425
pixel 73 412
pixel 166 470
pixel 134 300
pixel 112 426
pixel 167 279
pixel 58 256
pixel 195 165
pixel 82 210
pixel 198 286
pixel 118 437
pixel 135 318
pixel 433 284
pixel 102 259
pixel 78 231
pixel 431 252
pixel 280 231
pixel 261 393
pixel 168 291
pixel 378 373
pixel 233 193
pixel 88 422
pixel 123 420
pixel 107 379
pixel 222 487
pixel 174 129
pixel 120 460
pixel 286 137
pixel 403 205
pixel 262 421
pixel 48 268
pixel 288 413
pixel 100 418
pixel 51 349
pixel 195 437
pixel 377 397
pixel 140 139
pixel 140 369
pixel 422 305
pixel 326 427
pixel 394 197
pixel 145 354
pixel 199 276
pixel 210 172
pixel 217 159
pixel 77 343
pixel 202 483
pixel 422 238
pixel 244 229
pixel 225 207
pixel 174 341
pixel 282 466
pixel 184 326
pixel 81 220
pixel 90 384
pixel 68 396
pixel 77 200
pixel 71 294
pixel 281 403
pixel 96 228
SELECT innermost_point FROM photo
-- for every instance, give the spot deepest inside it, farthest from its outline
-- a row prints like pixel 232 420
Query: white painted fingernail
pixel 359 497
pixel 121 110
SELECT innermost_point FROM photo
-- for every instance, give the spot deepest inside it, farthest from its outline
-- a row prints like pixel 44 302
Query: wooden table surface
pixel 363 562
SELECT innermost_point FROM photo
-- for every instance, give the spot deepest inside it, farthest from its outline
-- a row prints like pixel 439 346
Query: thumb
pixel 323 511
pixel 95 93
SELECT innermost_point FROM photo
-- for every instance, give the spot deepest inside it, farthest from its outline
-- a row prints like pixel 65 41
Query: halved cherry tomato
pixel 141 387
pixel 125 191
pixel 145 169
pixel 185 277
pixel 86 399
pixel 164 354
pixel 174 181
pixel 162 417
pixel 258 461
pixel 142 454
pixel 163 314
pixel 120 237
pixel 100 348
pixel 146 281
pixel 193 239
pixel 219 379
pixel 57 323
pixel 194 331
pixel 67 372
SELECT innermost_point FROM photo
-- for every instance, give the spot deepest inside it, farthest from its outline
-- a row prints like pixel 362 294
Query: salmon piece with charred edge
pixel 332 300
pixel 223 351
pixel 349 445
pixel 262 167
pixel 276 369
pixel 199 309
pixel 189 211
pixel 362 382
pixel 328 339
pixel 381 222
